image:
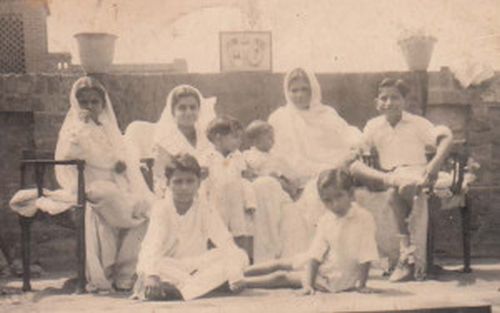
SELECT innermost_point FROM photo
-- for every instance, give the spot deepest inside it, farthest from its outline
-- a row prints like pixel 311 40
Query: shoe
pixel 402 272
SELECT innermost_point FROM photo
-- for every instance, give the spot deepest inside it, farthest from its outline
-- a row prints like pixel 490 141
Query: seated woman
pixel 312 137
pixel 181 129
pixel 117 196
pixel 175 261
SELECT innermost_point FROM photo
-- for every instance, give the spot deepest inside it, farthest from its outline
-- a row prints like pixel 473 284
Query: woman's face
pixel 91 104
pixel 299 91
pixel 186 111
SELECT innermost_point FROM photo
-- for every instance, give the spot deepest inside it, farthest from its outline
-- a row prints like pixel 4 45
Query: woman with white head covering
pixel 181 129
pixel 117 196
pixel 310 134
pixel 312 137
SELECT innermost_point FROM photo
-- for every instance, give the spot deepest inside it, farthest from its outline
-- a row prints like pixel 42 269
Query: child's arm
pixel 311 271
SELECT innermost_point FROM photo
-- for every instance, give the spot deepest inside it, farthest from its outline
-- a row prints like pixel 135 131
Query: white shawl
pixel 311 140
pixel 72 134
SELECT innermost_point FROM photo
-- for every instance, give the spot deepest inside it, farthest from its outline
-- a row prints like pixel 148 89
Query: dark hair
pixel 338 178
pixel 257 128
pixel 183 92
pixel 296 74
pixel 182 162
pixel 399 84
pixel 96 88
pixel 223 125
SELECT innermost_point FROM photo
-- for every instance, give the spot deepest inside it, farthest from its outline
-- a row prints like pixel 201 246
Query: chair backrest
pixel 140 134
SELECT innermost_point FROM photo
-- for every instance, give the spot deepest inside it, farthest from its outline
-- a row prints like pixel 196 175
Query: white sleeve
pixel 427 132
pixel 218 232
pixel 155 239
pixel 319 246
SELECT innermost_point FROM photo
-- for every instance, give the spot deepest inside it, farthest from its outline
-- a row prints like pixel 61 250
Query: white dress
pixel 117 203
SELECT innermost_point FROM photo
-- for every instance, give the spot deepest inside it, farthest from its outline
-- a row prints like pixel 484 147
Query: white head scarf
pixel 71 127
pixel 314 139
pixel 168 135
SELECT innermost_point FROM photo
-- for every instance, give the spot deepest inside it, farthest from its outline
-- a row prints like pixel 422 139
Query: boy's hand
pixel 307 291
pixel 430 174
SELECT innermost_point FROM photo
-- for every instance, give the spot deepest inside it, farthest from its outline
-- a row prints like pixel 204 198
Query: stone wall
pixel 44 98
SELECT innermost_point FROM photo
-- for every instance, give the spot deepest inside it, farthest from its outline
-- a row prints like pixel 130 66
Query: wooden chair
pixel 40 162
pixel 458 159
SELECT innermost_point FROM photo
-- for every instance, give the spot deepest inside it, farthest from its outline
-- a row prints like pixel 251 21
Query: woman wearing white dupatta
pixel 118 198
pixel 181 129
pixel 312 137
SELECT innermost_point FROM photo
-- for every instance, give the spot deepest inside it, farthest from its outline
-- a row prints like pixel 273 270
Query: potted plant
pixel 417 47
pixel 96 51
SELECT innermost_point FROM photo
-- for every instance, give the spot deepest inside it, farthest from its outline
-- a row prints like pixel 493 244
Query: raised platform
pixel 454 292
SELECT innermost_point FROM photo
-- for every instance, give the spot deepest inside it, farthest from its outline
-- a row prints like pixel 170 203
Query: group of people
pixel 281 214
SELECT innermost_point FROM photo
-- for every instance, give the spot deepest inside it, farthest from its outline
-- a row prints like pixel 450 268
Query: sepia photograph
pixel 292 156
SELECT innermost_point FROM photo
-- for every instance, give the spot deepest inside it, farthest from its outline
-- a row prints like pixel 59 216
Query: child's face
pixel 336 200
pixel 186 111
pixel 299 92
pixel 391 103
pixel 229 143
pixel 91 103
pixel 265 141
pixel 184 185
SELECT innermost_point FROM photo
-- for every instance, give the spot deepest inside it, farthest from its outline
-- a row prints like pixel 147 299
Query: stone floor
pixel 452 289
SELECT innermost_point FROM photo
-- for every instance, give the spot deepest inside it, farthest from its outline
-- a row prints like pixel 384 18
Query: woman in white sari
pixel 181 129
pixel 117 197
pixel 312 137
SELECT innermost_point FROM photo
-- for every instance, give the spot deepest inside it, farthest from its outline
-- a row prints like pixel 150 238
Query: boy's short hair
pixel 182 92
pixel 257 128
pixel 399 84
pixel 222 126
pixel 182 162
pixel 339 178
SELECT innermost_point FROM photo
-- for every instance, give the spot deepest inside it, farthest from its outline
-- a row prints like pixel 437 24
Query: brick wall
pixel 252 95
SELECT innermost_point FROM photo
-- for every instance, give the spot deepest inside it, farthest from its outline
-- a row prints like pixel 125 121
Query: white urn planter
pixel 417 51
pixel 96 51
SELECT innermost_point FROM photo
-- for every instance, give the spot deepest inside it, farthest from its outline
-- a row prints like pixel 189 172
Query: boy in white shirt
pixel 400 140
pixel 227 188
pixel 341 252
pixel 174 261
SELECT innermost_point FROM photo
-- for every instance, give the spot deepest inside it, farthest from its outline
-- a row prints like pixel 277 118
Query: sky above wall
pixel 325 35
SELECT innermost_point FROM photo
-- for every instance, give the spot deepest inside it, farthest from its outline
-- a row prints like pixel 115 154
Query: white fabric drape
pixel 311 140
pixel 168 139
pixel 101 146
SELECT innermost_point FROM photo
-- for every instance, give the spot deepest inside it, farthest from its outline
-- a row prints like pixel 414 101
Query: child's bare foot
pixel 238 285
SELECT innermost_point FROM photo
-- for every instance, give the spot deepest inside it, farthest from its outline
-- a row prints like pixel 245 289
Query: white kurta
pixel 341 245
pixel 228 191
pixel 175 249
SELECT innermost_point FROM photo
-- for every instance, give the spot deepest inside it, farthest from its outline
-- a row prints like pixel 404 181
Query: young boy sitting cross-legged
pixel 174 261
pixel 340 254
